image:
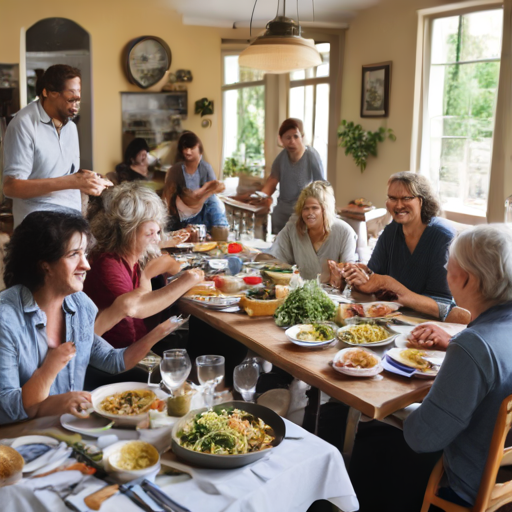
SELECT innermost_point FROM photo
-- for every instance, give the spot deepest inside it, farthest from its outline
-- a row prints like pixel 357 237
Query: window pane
pixel 297 102
pixel 322 122
pixel 324 50
pixel 301 107
pixel 321 70
pixel 461 108
pixel 234 74
pixel 244 127
pixel 473 36
pixel 481 35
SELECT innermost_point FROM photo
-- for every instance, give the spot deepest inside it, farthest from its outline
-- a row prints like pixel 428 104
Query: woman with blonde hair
pixel 314 234
pixel 126 223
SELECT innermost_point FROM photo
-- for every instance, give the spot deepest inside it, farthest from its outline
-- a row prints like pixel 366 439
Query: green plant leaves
pixel 361 144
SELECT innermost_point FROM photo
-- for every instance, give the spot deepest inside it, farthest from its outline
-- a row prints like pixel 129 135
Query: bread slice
pixel 256 307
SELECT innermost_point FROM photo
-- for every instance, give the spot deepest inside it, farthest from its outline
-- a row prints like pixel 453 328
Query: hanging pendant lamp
pixel 281 49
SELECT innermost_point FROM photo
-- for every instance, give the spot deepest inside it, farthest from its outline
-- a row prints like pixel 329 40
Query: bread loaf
pixel 11 464
pixel 256 307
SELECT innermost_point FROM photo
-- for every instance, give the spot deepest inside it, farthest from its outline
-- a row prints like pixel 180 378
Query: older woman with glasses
pixel 459 413
pixel 408 262
pixel 314 235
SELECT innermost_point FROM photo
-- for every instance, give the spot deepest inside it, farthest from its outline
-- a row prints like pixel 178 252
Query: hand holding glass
pixel 175 368
pixel 210 371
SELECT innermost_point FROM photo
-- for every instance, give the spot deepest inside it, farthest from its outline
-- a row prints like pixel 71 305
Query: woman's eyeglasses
pixel 405 199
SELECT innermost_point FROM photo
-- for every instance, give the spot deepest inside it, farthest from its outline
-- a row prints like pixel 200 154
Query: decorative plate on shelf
pixel 147 60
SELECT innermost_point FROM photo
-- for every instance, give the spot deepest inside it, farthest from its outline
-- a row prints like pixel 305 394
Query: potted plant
pixel 360 143
pixel 249 173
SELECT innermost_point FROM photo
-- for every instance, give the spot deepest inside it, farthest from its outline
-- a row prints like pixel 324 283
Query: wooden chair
pixel 491 495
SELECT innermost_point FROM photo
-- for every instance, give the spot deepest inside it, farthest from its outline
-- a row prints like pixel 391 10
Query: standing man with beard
pixel 41 150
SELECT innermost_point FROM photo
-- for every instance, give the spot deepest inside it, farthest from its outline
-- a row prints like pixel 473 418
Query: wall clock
pixel 146 60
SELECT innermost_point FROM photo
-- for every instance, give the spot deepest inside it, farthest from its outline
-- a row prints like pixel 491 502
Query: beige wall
pixel 111 24
pixel 386 32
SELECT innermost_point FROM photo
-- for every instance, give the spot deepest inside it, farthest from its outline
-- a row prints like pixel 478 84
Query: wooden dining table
pixel 375 397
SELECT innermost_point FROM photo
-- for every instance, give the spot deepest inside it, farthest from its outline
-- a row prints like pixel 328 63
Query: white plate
pixel 44 458
pixel 215 302
pixel 401 341
pixel 99 394
pixel 357 372
pixel 185 246
pixel 90 426
pixel 291 334
pixel 394 306
pixel 431 354
pixel 387 341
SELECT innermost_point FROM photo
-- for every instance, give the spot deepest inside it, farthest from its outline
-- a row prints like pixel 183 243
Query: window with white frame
pixel 462 72
pixel 309 101
pixel 243 99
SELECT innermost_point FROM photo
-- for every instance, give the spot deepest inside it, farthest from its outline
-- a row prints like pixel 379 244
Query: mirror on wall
pixel 62 41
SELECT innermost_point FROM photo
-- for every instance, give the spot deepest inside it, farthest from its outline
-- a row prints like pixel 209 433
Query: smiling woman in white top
pixel 314 234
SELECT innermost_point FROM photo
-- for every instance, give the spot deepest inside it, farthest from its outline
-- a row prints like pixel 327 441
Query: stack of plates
pixel 216 303
pixel 394 362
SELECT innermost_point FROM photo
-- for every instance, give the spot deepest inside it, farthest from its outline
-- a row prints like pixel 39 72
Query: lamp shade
pixel 280 54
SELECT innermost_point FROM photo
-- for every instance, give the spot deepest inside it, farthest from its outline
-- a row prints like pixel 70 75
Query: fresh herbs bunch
pixel 309 303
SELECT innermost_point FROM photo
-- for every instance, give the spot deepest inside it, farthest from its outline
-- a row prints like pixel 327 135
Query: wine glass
pixel 210 371
pixel 149 363
pixel 245 378
pixel 175 368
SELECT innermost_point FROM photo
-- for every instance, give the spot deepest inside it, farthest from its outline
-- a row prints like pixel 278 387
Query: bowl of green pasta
pixel 226 436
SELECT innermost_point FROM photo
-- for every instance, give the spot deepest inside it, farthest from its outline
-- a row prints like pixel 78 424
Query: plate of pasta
pixel 366 335
pixel 229 435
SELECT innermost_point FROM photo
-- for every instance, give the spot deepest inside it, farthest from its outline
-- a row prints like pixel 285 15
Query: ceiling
pixel 237 13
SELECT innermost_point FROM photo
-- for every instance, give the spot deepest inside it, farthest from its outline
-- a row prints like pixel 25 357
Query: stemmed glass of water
pixel 210 371
pixel 149 363
pixel 245 378
pixel 175 368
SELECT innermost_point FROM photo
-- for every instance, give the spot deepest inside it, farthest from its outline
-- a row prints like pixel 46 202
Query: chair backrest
pixel 501 428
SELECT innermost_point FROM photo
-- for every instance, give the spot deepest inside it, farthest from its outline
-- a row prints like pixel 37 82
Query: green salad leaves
pixel 309 303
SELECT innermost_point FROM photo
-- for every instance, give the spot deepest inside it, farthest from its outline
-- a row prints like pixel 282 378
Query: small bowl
pixel 291 334
pixel 179 405
pixel 125 475
pixel 357 372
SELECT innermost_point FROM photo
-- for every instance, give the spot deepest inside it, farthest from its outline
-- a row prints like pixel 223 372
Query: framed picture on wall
pixel 375 90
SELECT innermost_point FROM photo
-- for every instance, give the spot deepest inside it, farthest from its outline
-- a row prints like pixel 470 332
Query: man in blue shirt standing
pixel 41 150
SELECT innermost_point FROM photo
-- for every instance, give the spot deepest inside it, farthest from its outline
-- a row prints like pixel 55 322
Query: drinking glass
pixel 175 368
pixel 245 378
pixel 149 363
pixel 210 371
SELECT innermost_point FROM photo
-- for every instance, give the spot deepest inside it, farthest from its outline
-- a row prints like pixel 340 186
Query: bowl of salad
pixel 313 335
pixel 228 435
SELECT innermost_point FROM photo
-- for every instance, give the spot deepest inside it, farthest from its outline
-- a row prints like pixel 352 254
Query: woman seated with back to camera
pixel 313 235
pixel 190 188
pixel 47 337
pixel 408 262
pixel 459 413
pixel 126 223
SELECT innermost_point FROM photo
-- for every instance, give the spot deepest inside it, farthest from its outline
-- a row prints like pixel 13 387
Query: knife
pixel 141 491
pixel 154 491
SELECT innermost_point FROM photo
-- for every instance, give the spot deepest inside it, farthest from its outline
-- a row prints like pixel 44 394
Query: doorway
pixel 62 41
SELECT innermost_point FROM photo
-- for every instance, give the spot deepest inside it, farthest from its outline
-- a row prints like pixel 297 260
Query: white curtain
pixel 501 165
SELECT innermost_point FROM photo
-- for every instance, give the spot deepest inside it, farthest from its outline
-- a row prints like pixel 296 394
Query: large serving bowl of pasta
pixel 229 435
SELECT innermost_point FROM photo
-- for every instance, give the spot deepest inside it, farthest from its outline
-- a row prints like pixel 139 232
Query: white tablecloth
pixel 293 476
